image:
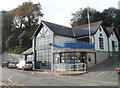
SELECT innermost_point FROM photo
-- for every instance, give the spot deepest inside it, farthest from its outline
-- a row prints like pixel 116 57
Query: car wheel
pixel 17 68
pixel 23 68
pixel 31 69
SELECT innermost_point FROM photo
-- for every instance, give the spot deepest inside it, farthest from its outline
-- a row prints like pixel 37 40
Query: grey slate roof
pixel 84 29
pixel 58 29
pixel 109 30
pixel 75 32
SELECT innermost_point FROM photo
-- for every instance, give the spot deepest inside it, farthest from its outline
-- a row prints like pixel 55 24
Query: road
pixel 102 75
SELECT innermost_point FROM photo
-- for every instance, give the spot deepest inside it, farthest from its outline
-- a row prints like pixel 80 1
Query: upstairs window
pixel 113 45
pixel 100 35
pixel 100 29
pixel 101 43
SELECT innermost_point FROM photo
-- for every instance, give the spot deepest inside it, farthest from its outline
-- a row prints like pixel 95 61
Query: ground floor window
pixel 44 57
pixel 73 57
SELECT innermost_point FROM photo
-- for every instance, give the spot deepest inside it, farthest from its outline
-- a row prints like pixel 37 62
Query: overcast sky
pixel 59 11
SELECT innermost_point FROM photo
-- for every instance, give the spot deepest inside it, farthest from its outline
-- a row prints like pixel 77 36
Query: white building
pixel 58 47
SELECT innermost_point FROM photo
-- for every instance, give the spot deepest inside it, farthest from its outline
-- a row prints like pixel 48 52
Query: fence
pixel 70 67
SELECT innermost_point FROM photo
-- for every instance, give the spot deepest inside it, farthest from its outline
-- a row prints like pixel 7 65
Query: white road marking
pixel 9 79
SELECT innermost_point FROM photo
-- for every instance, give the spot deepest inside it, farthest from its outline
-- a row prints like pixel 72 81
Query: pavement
pixel 104 63
pixel 100 75
pixel 73 73
pixel 62 73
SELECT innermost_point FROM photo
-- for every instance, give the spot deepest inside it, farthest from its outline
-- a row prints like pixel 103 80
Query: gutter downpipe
pixel 34 53
pixel 108 47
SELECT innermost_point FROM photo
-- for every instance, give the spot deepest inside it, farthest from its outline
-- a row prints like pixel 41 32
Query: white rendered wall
pixel 58 39
pixel 113 38
pixel 44 31
pixel 105 40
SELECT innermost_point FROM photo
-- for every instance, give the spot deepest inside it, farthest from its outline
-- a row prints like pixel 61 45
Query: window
pixel 113 45
pixel 100 35
pixel 37 41
pixel 71 58
pixel 101 43
pixel 100 29
pixel 89 59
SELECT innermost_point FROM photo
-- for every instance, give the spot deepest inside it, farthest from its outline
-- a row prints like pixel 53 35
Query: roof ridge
pixel 87 24
pixel 109 27
pixel 55 23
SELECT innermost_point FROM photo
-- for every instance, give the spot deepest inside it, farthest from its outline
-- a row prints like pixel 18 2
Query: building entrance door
pixel 83 59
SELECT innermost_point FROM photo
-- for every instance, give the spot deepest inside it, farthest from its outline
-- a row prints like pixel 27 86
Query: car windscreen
pixel 12 63
pixel 28 62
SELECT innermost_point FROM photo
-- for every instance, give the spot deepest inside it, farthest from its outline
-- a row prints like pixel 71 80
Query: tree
pixel 109 17
pixel 6 32
pixel 80 16
pixel 11 42
pixel 24 41
pixel 25 15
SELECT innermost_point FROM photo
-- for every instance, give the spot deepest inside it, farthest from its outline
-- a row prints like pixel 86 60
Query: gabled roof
pixel 58 29
pixel 37 30
pixel 109 30
pixel 84 29
pixel 74 32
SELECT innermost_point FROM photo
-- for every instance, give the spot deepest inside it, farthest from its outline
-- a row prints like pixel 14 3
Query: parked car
pixel 5 64
pixel 12 64
pixel 118 69
pixel 25 65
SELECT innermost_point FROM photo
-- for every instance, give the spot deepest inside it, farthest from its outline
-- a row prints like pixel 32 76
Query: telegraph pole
pixel 88 16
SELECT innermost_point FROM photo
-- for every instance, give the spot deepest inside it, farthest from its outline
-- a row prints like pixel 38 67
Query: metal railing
pixel 70 67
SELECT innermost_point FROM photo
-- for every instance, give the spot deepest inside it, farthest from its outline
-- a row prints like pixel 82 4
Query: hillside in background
pixel 19 24
pixel 18 40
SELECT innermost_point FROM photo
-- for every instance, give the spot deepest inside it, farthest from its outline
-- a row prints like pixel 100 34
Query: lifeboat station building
pixel 63 48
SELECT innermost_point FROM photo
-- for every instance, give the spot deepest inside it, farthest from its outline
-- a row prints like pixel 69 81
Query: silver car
pixel 12 64
pixel 25 65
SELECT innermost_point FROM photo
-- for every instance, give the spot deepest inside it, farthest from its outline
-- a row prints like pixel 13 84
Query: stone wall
pixel 7 57
pixel 101 56
pixel 90 59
